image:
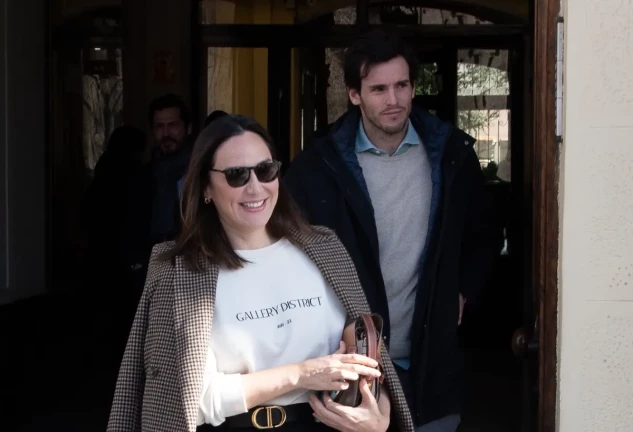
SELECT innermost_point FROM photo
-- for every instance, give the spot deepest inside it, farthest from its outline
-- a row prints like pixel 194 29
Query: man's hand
pixel 369 416
pixel 462 303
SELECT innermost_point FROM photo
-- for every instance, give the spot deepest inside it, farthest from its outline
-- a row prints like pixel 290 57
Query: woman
pixel 241 319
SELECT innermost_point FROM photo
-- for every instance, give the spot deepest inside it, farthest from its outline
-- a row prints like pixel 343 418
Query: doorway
pixel 481 72
pixel 477 83
pixel 537 244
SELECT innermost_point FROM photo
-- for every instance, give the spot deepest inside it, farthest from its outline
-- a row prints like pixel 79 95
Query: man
pixel 404 192
pixel 154 199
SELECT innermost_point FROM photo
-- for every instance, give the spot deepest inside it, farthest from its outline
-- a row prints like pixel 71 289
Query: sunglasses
pixel 265 172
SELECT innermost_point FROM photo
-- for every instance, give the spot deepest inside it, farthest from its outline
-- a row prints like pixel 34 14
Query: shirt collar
pixel 363 144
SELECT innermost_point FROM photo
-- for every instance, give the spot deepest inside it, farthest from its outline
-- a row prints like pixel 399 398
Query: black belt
pixel 269 417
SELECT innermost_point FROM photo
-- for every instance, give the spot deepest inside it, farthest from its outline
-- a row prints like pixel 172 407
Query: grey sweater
pixel 400 189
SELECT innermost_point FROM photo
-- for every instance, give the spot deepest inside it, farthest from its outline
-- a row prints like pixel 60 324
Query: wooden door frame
pixel 545 210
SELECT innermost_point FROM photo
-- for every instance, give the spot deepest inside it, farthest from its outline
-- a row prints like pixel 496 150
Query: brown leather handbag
pixel 364 338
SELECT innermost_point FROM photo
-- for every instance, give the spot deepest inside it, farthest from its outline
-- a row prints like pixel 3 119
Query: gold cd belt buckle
pixel 269 417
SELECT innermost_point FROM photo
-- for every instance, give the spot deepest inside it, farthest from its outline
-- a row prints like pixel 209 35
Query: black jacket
pixel 153 205
pixel 327 182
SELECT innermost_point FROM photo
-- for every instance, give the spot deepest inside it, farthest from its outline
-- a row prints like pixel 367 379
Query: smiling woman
pixel 224 206
pixel 244 314
pixel 244 203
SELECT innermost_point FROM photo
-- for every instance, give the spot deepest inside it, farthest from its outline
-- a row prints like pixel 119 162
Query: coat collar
pixel 440 138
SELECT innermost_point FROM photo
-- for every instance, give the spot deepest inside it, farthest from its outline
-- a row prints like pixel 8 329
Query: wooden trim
pixel 200 84
pixel 307 35
pixel 322 72
pixel 545 189
pixel 198 70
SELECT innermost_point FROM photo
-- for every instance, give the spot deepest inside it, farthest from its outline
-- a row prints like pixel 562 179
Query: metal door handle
pixel 521 345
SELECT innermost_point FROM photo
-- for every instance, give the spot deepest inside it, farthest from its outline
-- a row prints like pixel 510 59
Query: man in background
pixel 153 207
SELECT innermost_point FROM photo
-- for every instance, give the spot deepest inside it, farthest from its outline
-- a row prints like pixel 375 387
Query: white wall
pixel 596 262
pixel 22 149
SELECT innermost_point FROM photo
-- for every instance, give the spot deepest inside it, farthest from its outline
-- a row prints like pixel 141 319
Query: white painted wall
pixel 596 261
pixel 22 149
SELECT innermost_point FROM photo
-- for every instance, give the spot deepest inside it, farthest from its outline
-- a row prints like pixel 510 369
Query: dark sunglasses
pixel 265 172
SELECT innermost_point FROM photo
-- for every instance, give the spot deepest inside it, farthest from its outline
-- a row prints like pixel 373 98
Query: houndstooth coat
pixel 160 380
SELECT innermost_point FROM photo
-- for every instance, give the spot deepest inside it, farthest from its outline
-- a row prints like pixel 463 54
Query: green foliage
pixel 427 80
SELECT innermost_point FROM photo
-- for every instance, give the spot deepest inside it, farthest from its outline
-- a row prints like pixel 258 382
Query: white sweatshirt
pixel 276 310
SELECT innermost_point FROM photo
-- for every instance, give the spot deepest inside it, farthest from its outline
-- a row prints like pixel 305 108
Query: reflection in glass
pixel 337 99
pixel 102 94
pixel 483 88
pixel 429 81
pixel 345 16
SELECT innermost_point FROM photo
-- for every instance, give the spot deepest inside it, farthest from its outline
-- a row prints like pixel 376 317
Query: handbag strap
pixel 372 336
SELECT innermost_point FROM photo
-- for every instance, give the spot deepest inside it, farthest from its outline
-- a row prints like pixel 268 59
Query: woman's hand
pixel 330 372
pixel 324 373
pixel 369 416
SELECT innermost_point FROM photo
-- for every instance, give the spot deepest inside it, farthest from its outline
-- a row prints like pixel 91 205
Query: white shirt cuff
pixel 223 398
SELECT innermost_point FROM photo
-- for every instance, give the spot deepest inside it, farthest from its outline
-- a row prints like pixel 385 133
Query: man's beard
pixel 389 130
pixel 169 145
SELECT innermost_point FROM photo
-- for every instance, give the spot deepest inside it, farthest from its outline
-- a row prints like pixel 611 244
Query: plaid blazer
pixel 160 380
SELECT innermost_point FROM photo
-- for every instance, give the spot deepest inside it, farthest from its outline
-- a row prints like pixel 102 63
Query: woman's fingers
pixel 344 374
pixel 324 415
pixel 358 359
pixel 367 396
pixel 335 385
pixel 331 372
pixel 361 370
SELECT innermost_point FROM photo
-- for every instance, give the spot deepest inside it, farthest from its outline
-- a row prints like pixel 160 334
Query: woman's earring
pixel 207 200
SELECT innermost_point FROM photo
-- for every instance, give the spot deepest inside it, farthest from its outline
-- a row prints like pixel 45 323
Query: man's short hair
pixel 169 101
pixel 374 47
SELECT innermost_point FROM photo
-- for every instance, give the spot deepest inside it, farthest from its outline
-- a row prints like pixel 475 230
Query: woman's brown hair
pixel 202 237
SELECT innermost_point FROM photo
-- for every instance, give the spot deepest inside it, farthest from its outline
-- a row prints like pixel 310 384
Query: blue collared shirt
pixel 364 145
